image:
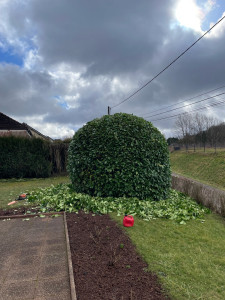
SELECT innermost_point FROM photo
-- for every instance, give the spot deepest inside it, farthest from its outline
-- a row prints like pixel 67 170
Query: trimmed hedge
pixel 58 157
pixel 120 155
pixel 24 158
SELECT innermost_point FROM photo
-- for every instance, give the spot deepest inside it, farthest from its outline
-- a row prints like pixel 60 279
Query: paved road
pixel 33 259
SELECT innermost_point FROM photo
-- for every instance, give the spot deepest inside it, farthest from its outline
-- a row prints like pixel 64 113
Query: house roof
pixel 29 128
pixel 7 123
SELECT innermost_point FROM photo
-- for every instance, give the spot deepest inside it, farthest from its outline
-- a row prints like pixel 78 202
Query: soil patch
pixel 22 210
pixel 105 262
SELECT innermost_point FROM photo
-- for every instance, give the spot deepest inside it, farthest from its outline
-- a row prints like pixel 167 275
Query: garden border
pixel 70 264
pixel 209 196
pixel 30 215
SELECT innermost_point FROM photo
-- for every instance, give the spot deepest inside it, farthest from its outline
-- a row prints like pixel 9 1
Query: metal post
pixel 109 110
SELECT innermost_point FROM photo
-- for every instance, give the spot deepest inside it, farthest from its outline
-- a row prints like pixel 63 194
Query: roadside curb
pixel 30 216
pixel 70 265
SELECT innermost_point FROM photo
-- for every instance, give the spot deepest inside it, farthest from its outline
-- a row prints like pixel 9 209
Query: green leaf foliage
pixel 120 155
pixel 24 157
pixel 62 197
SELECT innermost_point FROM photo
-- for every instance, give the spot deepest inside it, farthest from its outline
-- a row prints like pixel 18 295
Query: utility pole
pixel 109 110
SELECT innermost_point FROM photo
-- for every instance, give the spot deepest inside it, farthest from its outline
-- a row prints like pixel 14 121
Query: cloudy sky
pixel 62 63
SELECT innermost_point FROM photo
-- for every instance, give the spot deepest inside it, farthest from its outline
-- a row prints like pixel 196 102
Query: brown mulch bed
pixel 105 262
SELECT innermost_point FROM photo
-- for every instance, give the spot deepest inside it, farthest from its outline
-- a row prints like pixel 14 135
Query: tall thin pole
pixel 109 110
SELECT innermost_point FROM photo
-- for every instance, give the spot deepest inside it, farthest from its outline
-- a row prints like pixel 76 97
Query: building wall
pixel 17 133
pixel 35 134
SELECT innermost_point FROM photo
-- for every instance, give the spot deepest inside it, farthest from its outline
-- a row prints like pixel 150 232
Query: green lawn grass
pixel 189 259
pixel 10 189
pixel 208 167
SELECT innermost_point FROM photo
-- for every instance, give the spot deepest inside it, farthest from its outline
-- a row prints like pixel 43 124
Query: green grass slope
pixel 188 259
pixel 208 167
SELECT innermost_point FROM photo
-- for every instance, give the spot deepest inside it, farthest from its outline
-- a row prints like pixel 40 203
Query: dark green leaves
pixel 120 155
pixel 24 157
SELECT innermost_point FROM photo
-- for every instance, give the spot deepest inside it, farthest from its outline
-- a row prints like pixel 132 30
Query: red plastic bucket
pixel 128 221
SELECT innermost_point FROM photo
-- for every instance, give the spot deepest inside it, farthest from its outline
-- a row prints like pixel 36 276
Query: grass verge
pixel 208 167
pixel 11 188
pixel 189 260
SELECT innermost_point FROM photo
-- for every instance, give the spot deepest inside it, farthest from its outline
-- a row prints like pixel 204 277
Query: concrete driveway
pixel 33 259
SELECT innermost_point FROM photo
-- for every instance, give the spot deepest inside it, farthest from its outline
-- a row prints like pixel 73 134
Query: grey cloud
pixel 24 93
pixel 107 36
pixel 199 70
pixel 127 39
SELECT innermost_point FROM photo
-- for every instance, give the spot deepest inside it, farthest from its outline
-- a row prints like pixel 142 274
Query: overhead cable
pixel 185 105
pixel 168 106
pixel 187 112
pixel 148 82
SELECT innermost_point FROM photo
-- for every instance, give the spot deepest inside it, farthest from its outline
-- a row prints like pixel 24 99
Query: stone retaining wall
pixel 210 197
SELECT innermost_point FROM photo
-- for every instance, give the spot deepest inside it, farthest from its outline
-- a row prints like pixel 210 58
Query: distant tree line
pixel 198 130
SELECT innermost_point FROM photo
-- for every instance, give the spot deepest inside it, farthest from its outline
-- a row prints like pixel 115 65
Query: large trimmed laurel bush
pixel 120 155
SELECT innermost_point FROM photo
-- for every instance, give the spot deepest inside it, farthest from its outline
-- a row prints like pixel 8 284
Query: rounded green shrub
pixel 120 155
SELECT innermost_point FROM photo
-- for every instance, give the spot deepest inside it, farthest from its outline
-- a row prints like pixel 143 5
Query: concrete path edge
pixel 30 216
pixel 70 264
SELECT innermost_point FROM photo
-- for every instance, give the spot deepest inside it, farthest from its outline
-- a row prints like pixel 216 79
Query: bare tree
pixel 199 128
pixel 212 134
pixel 185 128
pixel 217 135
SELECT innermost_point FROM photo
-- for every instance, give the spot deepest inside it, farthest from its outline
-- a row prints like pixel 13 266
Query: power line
pixel 187 112
pixel 190 112
pixel 185 105
pixel 138 90
pixel 197 109
pixel 165 107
